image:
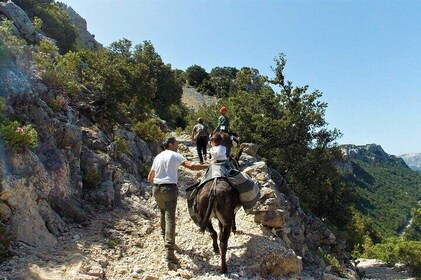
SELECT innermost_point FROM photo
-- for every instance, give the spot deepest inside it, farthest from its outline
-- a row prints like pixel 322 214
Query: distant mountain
pixel 412 160
pixel 370 153
pixel 385 187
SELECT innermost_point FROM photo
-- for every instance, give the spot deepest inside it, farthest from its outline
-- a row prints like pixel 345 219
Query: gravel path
pixel 378 270
pixel 126 244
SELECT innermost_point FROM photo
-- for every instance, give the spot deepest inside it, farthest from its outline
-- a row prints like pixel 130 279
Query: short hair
pixel 200 120
pixel 168 141
pixel 217 138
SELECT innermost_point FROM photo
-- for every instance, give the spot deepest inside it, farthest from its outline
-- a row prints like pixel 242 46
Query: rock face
pixel 74 160
pixel 22 24
pixel 18 16
pixel 194 99
pixel 369 153
pixel 412 160
pixel 85 39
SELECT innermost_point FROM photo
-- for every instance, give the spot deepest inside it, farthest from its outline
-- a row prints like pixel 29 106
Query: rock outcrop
pixel 369 153
pixel 85 38
pixel 412 160
pixel 22 24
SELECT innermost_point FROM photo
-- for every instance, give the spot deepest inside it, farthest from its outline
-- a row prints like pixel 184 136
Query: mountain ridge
pixel 413 160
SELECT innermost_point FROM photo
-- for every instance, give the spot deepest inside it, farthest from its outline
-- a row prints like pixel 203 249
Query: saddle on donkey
pixel 248 191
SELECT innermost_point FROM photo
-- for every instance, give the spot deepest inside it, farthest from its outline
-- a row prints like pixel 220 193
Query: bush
pixel 18 137
pixel 55 70
pixel 148 131
pixel 11 46
pixel 121 145
pixel 60 103
pixel 396 250
pixel 91 178
pixel 332 261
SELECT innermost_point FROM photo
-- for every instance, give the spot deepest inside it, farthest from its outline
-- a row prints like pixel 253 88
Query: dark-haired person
pixel 200 134
pixel 164 177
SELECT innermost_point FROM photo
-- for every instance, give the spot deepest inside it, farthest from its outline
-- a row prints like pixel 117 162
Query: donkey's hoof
pixel 216 251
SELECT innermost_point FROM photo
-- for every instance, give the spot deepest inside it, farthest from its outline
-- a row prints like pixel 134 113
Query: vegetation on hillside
pixel 55 22
pixel 386 191
pixel 131 85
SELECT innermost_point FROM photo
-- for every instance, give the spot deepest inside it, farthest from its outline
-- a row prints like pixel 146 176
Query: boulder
pixel 249 148
pixel 281 264
pixel 18 16
pixel 270 218
pixel 26 224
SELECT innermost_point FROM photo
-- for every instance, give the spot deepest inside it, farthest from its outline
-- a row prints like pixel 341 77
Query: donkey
pixel 218 199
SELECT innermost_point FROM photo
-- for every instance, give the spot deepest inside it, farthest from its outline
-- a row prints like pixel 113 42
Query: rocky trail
pixel 126 244
pixel 378 270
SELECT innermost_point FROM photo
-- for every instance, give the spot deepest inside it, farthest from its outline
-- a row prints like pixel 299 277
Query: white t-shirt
pixel 166 166
pixel 218 153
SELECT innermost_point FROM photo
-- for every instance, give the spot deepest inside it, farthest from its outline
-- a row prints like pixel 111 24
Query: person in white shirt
pixel 218 152
pixel 164 177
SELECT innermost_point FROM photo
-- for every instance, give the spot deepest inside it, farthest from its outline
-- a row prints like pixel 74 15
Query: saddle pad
pixel 249 193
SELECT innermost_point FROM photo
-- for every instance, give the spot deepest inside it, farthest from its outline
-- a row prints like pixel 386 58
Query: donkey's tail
pixel 211 202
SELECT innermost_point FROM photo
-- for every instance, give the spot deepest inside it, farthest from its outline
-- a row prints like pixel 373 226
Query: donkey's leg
pixel 234 227
pixel 223 243
pixel 214 236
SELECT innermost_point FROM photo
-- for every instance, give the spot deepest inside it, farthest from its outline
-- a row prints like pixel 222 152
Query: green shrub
pixel 11 46
pixel 178 131
pixel 57 71
pixel 331 260
pixel 37 22
pixel 148 131
pixel 91 178
pixel 111 244
pixel 121 145
pixel 59 103
pixel 18 136
pixel 396 250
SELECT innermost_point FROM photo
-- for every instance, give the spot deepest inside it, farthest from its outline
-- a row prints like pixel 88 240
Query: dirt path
pixel 126 244
pixel 378 270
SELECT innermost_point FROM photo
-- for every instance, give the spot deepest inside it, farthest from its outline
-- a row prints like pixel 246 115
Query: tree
pixel 249 80
pixel 292 133
pixel 222 80
pixel 196 75
pixel 168 87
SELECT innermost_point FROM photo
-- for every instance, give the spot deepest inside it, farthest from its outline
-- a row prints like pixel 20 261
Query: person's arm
pixel 194 165
pixel 192 137
pixel 151 176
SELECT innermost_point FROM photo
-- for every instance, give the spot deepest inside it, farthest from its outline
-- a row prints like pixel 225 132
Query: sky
pixel 364 56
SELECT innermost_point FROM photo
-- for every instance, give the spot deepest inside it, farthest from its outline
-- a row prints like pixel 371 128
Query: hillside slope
pixel 386 188
pixel 194 99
